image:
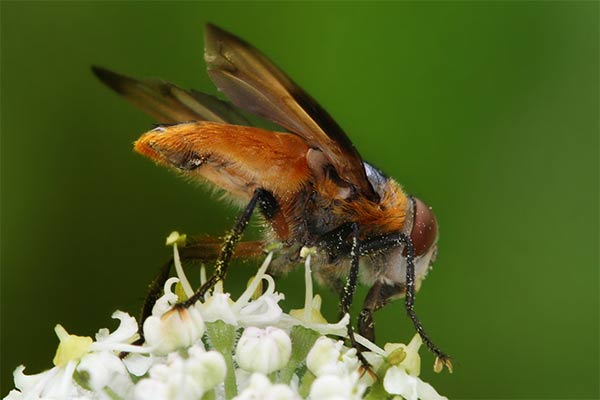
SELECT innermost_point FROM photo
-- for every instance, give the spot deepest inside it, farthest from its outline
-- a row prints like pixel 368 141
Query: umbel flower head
pixel 223 348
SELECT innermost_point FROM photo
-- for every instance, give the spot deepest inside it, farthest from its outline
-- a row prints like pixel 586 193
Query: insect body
pixel 310 183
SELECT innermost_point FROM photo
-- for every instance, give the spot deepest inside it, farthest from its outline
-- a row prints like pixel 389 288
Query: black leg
pixel 156 288
pixel 154 293
pixel 348 293
pixel 231 240
pixel 366 324
pixel 409 303
pixel 203 249
pixel 378 297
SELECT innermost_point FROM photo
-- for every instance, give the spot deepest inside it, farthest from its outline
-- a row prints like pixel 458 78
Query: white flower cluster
pixel 199 353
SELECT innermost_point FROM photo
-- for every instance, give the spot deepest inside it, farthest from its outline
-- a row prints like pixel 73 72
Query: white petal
pixel 167 300
pixel 262 312
pixel 106 370
pixel 412 362
pixel 397 381
pixel 427 392
pixel 218 307
pixel 138 364
pixel 61 385
pixel 53 383
pixel 127 331
pixel 29 382
pixel 14 395
pixel 242 378
pixel 350 360
pixel 337 329
pixel 184 378
pixel 375 360
pixel 150 389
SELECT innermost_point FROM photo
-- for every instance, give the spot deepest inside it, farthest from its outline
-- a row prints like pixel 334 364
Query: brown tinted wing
pixel 207 249
pixel 255 84
pixel 168 103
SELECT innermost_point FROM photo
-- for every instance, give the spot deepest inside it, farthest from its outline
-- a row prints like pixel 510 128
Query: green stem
pixel 377 391
pixel 222 337
pixel 306 383
pixel 302 341
pixel 210 395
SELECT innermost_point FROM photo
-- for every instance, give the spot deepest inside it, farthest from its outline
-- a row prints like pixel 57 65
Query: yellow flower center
pixel 71 347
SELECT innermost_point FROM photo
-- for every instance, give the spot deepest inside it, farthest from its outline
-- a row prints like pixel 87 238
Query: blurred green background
pixel 488 111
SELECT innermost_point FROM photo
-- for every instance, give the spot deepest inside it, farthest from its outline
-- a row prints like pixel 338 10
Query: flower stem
pixel 302 341
pixel 222 337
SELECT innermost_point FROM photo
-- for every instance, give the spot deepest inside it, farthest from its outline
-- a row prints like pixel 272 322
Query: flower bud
pixel 178 327
pixel 324 356
pixel 333 387
pixel 261 388
pixel 263 350
pixel 207 368
pixel 183 378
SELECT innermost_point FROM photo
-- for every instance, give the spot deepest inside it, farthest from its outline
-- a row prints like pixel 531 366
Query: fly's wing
pixel 207 249
pixel 168 103
pixel 255 84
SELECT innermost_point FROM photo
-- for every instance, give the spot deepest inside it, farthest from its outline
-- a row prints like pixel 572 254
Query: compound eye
pixel 425 230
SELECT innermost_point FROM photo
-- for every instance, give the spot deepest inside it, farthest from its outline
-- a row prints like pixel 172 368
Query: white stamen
pixel 185 284
pixel 308 295
pixel 202 274
pixel 245 297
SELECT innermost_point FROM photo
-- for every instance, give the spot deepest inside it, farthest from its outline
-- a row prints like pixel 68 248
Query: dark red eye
pixel 425 230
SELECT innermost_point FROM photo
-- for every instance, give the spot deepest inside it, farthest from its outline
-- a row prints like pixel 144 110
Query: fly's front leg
pixel 409 303
pixel 231 240
pixel 378 296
